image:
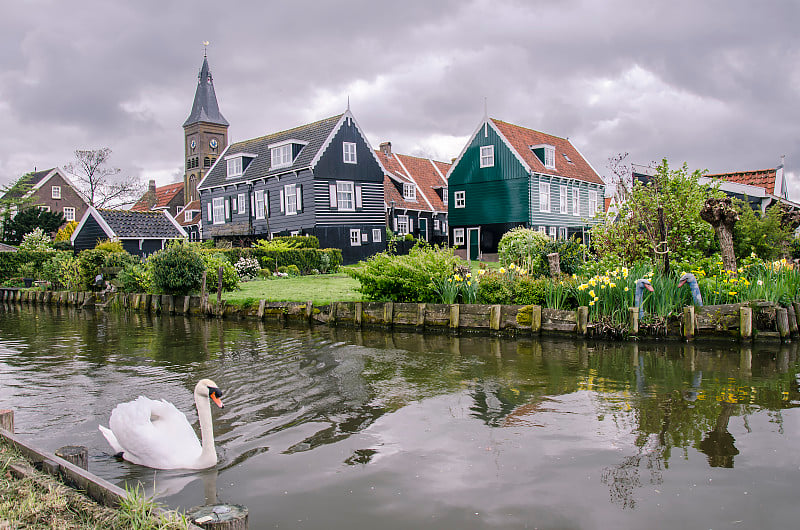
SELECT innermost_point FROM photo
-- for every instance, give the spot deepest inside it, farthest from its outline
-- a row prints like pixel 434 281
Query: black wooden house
pixel 321 179
pixel 141 233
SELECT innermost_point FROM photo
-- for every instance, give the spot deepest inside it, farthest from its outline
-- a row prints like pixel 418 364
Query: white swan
pixel 156 434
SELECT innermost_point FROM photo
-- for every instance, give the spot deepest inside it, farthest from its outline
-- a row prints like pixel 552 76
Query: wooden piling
pixel 309 309
pixel 261 304
pixel 536 319
pixel 75 454
pixel 455 313
pixel 219 287
pixel 421 309
pixel 745 323
pixel 7 420
pixel 388 313
pixel 782 320
pixel 494 317
pixel 633 320
pixel 793 329
pixel 582 320
pixel 688 322
pixel 219 516
pixel 358 313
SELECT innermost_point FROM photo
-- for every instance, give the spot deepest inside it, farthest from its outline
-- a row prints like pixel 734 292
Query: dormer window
pixel 444 196
pixel 281 156
pixel 487 156
pixel 409 192
pixel 187 216
pixel 235 167
pixel 546 154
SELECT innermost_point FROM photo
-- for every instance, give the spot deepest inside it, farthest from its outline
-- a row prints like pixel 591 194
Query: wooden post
pixel 219 516
pixel 536 319
pixel 633 320
pixel 455 315
pixel 582 320
pixel 421 308
pixel 792 320
pixel 358 309
pixel 7 420
pixel 782 320
pixel 332 314
pixel 203 295
pixel 187 301
pixel 219 288
pixel 261 304
pixel 745 323
pixel 554 262
pixel 309 309
pixel 388 313
pixel 688 322
pixel 494 318
pixel 75 454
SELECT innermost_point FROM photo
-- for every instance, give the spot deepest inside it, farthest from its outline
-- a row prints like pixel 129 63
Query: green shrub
pixel 89 262
pixel 11 261
pixel 570 253
pixel 29 270
pixel 305 259
pixel 176 270
pixel 522 246
pixel 292 270
pixel 408 278
pixel 36 241
pixel 530 291
pixel 213 261
pixel 107 245
pixel 119 259
pixel 495 289
pixel 135 278
pixel 62 271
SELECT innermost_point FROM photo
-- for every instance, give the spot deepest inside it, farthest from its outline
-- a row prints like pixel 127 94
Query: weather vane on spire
pixel 205 47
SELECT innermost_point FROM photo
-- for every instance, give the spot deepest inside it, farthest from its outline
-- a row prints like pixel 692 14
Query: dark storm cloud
pixel 713 83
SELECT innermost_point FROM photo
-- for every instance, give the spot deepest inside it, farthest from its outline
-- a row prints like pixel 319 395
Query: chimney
pixel 386 148
pixel 152 187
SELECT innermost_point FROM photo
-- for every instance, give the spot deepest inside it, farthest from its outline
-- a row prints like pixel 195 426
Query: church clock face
pixel 213 143
pixel 193 144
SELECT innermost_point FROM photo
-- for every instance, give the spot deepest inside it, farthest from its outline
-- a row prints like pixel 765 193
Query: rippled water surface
pixel 342 429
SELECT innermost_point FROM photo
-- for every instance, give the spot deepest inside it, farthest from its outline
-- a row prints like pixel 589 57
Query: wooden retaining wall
pixel 744 321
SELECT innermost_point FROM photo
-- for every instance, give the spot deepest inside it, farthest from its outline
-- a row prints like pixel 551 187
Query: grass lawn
pixel 321 289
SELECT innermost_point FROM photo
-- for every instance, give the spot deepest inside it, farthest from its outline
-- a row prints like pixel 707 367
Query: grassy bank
pixel 40 501
pixel 322 289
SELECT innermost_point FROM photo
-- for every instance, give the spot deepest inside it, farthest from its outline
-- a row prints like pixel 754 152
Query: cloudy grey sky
pixel 712 83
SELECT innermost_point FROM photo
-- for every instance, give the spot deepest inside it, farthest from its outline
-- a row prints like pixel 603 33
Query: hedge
pixel 10 261
pixel 305 259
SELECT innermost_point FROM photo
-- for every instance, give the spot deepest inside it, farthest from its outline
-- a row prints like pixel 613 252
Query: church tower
pixel 205 133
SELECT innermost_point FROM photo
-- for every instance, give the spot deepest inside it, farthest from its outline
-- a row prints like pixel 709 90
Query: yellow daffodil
pixel 502 270
pixel 591 293
pixel 591 303
pixel 612 285
pixel 626 289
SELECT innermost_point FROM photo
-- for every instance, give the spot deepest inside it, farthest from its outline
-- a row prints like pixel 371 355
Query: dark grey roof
pixel 33 179
pixel 126 223
pixel 7 248
pixel 314 133
pixel 205 107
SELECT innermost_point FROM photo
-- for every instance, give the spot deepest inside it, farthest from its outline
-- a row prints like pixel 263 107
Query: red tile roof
pixel 192 206
pixel 414 170
pixel 573 165
pixel 164 195
pixel 764 178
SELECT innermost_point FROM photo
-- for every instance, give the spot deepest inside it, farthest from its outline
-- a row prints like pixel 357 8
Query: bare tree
pixel 621 176
pixel 100 183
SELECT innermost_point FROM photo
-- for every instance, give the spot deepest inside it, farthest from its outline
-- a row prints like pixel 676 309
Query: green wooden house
pixel 510 176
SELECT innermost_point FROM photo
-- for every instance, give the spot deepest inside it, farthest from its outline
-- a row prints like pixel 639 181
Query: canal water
pixel 330 428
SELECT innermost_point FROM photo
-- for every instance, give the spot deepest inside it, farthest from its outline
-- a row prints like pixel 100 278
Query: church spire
pixel 205 107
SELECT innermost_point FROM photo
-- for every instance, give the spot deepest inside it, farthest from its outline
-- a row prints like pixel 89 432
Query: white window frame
pixel 562 233
pixel 458 236
pixel 436 224
pixel 187 216
pixel 376 235
pixel 242 206
pixel 290 199
pixel 69 213
pixel 402 225
pixel 55 192
pixel 349 152
pixel 259 204
pixel 576 202
pixel 549 157
pixel 345 195
pixel 553 232
pixel 44 208
pixel 218 210
pixel 592 201
pixel 562 199
pixel 409 192
pixel 235 166
pixel 487 156
pixel 445 197
pixel 543 229
pixel 460 199
pixel 280 156
pixel 544 196
pixel 355 237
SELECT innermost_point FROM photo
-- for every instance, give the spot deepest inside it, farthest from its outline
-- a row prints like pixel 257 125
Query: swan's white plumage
pixel 155 434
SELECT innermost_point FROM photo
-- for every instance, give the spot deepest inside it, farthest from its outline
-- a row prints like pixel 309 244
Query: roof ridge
pixel 263 137
pixel 532 130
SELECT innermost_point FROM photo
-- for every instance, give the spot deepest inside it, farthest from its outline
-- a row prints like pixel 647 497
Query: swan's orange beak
pixel 216 400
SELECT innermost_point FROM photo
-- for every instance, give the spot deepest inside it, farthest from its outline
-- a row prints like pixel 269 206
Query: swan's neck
pixel 209 452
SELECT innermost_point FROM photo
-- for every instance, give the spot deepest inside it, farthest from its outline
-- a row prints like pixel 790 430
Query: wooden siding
pixel 554 217
pixel 468 171
pixel 89 235
pixel 339 237
pixel 371 212
pixel 331 164
pixel 279 221
pixel 499 201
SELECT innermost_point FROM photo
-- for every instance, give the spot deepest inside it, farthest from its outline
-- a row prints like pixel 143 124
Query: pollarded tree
pixel 720 213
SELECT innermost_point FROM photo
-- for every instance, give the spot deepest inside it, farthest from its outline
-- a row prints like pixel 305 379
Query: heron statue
pixel 688 278
pixel 641 285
